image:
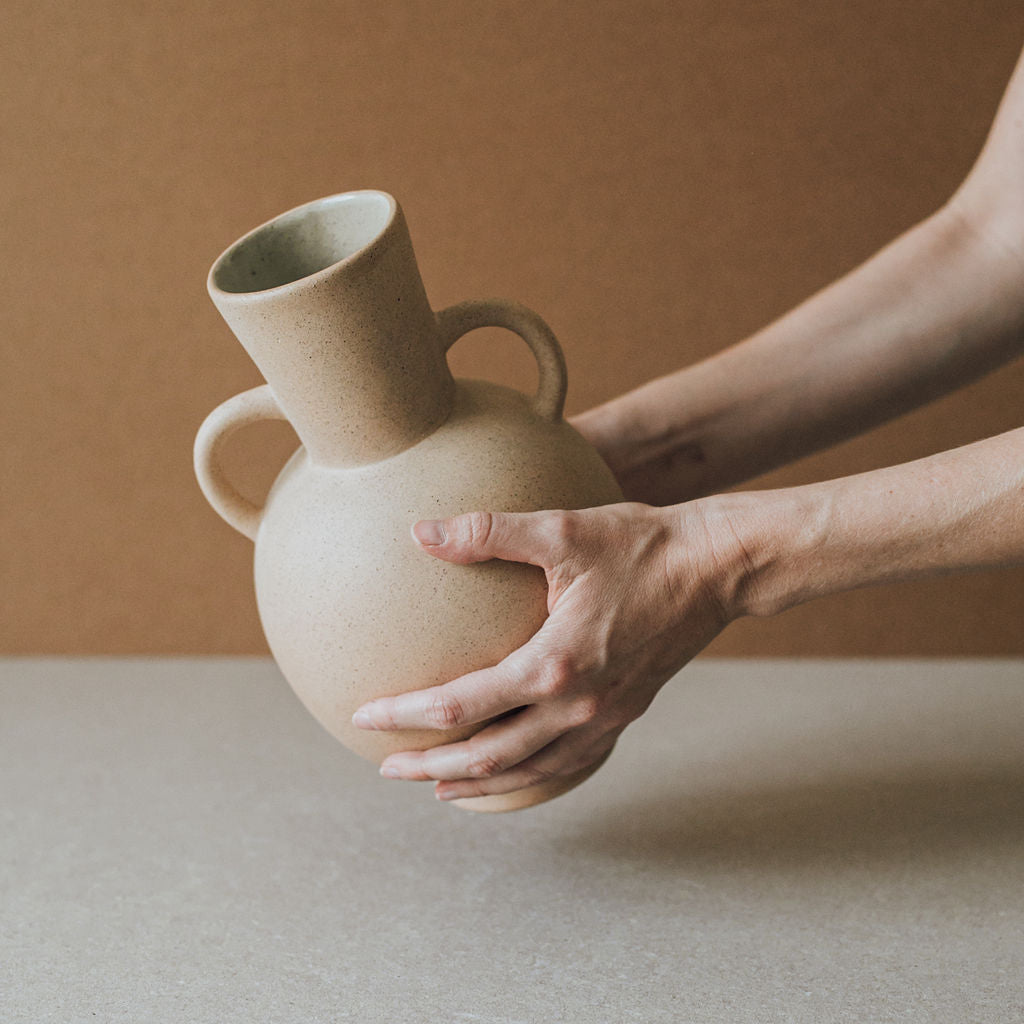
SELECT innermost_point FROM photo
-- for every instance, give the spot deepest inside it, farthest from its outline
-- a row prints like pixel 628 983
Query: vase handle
pixel 455 321
pixel 245 408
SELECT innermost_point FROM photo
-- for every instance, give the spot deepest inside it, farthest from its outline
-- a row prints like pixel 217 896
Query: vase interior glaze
pixel 303 242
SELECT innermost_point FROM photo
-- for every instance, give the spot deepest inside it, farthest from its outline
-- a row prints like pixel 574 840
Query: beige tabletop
pixel 774 841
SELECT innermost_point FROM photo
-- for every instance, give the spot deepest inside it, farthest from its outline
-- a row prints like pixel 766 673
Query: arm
pixel 635 591
pixel 937 308
pixel 952 512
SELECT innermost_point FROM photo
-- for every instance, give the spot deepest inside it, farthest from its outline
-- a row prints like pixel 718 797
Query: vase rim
pixel 220 272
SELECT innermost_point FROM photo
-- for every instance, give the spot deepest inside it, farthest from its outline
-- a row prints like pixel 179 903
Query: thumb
pixel 532 537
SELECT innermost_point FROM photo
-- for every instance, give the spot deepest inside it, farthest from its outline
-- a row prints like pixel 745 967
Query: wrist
pixel 618 429
pixel 766 548
pixel 655 440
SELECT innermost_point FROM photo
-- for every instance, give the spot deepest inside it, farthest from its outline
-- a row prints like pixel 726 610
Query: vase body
pixel 328 301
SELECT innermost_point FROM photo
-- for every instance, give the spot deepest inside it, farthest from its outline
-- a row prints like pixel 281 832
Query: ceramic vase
pixel 328 301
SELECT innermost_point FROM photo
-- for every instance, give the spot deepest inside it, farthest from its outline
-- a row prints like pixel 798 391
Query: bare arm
pixel 937 308
pixel 635 591
pixel 955 511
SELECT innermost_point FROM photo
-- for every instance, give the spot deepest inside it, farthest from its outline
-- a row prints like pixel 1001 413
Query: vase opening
pixel 303 242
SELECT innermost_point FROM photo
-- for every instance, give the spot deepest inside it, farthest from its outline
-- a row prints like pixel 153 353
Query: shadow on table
pixel 938 813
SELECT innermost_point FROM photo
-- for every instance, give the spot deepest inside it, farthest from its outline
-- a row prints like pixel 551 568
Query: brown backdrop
pixel 657 179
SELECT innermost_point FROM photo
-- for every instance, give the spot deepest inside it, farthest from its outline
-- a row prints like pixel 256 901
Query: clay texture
pixel 328 301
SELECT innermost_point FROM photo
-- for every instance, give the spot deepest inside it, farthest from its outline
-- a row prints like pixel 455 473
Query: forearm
pixel 952 512
pixel 938 307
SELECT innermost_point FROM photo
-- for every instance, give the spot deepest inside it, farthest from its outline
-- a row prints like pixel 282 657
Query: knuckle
pixel 478 527
pixel 534 774
pixel 557 675
pixel 586 710
pixel 589 760
pixel 617 721
pixel 619 716
pixel 483 765
pixel 564 527
pixel 445 711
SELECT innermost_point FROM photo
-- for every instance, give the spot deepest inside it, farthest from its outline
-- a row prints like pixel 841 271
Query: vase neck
pixel 329 303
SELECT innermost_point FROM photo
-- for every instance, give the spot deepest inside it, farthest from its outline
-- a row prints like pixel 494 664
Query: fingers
pixel 539 538
pixel 490 752
pixel 565 686
pixel 570 753
pixel 532 746
pixel 474 697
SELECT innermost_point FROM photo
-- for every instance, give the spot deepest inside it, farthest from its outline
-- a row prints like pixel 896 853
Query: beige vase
pixel 328 301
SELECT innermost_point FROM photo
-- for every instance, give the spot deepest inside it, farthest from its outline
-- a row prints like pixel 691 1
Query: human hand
pixel 634 592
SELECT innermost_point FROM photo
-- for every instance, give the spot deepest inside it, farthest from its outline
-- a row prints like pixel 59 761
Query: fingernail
pixel 443 794
pixel 389 771
pixel 430 532
pixel 362 719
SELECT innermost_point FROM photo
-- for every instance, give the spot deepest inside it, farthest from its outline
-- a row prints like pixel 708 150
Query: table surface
pixel 773 841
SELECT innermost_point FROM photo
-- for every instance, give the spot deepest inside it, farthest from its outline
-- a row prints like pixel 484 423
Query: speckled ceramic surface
pixel 328 301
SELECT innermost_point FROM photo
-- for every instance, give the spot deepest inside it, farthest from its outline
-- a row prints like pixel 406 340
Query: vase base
pixel 531 795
